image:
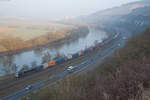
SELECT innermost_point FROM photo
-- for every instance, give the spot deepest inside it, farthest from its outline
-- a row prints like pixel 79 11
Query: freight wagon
pixel 75 55
pixel 52 63
pixel 69 57
pixel 90 49
pixel 85 51
pixel 61 60
pixel 45 65
pixel 98 46
pixel 81 53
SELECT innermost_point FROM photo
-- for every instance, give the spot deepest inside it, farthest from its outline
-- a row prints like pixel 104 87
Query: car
pixel 70 69
pixel 28 87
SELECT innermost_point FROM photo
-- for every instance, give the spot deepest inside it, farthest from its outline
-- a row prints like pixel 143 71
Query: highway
pixel 81 68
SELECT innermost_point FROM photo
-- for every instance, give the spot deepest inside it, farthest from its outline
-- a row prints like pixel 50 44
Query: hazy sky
pixel 54 9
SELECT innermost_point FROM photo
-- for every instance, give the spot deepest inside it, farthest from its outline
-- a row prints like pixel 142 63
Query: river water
pixel 13 63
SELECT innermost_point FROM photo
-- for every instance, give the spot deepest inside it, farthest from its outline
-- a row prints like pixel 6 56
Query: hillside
pixel 133 17
pixel 111 13
pixel 124 76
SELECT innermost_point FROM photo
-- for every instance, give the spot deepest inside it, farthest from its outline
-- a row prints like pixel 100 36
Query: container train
pixel 53 63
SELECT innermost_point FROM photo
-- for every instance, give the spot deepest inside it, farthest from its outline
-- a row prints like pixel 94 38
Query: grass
pixel 27 34
pixel 32 31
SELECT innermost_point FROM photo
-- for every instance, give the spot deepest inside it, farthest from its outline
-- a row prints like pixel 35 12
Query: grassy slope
pixel 123 76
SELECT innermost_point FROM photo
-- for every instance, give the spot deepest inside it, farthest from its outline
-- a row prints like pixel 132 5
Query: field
pixel 27 31
pixel 15 35
pixel 22 33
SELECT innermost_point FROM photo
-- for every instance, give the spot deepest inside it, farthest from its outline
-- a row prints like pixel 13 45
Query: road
pixel 83 66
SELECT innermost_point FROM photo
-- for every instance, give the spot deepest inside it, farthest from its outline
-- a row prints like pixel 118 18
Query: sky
pixel 55 9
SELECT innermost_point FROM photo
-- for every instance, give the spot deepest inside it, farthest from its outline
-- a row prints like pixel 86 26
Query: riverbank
pixel 46 74
pixel 80 31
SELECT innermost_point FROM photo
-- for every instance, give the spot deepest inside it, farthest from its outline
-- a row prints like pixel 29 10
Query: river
pixel 13 63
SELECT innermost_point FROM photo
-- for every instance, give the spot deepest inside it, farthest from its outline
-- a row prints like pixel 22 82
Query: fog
pixel 55 9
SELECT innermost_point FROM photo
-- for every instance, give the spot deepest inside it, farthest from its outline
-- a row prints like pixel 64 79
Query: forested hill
pixel 133 16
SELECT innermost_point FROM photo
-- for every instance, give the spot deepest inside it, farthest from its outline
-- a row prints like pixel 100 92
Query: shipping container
pixel 45 65
pixel 94 48
pixel 75 55
pixel 81 53
pixel 90 49
pixel 69 57
pixel 52 63
pixel 38 68
pixel 59 61
pixel 107 41
pixel 85 51
pixel 97 46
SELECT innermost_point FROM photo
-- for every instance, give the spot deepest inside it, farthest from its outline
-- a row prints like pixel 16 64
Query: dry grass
pixel 7 29
pixel 29 32
pixel 15 36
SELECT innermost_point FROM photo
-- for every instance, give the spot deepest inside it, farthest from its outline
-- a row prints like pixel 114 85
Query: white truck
pixel 70 69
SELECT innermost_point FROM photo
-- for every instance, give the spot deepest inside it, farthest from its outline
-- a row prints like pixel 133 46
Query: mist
pixel 55 9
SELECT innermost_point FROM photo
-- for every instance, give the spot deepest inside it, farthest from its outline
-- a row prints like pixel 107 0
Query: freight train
pixel 53 63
